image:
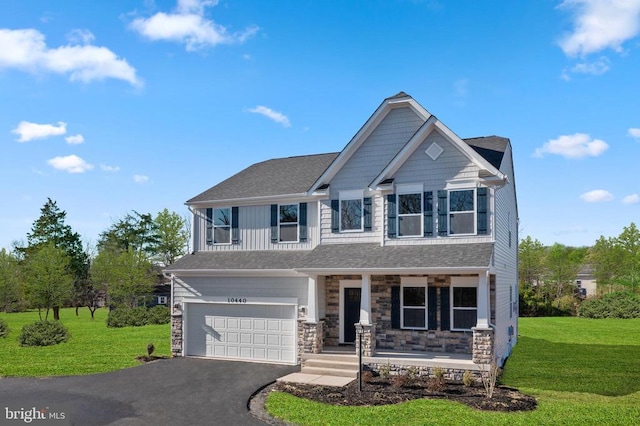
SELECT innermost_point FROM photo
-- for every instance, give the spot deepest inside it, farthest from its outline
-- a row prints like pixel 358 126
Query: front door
pixel 351 313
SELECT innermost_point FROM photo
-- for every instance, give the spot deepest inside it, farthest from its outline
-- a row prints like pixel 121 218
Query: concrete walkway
pixel 316 379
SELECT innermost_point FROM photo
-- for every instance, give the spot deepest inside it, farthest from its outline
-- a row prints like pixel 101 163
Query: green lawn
pixel 582 372
pixel 92 348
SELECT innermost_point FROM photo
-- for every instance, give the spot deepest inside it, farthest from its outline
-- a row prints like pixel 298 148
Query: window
pixel 410 215
pixel 162 300
pixel 288 222
pixel 351 214
pixel 462 218
pixel 413 303
pixel 219 226
pixel 464 307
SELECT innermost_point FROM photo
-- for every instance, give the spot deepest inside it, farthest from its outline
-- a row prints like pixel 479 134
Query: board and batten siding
pixel 254 229
pixel 277 287
pixel 506 262
pixel 376 152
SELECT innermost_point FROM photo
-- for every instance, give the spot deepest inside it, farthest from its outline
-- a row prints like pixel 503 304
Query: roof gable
pixel 400 100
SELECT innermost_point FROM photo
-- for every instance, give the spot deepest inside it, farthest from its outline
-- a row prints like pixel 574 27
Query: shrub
pixel 4 328
pixel 565 305
pixel 367 376
pixel 436 383
pixel 385 371
pixel 612 305
pixel 159 315
pixel 43 333
pixel 128 317
pixel 402 380
pixel 468 379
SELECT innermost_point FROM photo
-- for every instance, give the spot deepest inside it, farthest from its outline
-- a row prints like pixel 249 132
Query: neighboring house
pixel 586 282
pixel 408 237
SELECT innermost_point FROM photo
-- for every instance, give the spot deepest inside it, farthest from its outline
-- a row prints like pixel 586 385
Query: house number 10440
pixel 236 300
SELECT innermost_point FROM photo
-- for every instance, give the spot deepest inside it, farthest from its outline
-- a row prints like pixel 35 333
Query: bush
pixel 612 305
pixel 4 328
pixel 159 315
pixel 43 333
pixel 136 317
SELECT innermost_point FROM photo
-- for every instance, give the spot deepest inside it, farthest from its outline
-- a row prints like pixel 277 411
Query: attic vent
pixel 434 151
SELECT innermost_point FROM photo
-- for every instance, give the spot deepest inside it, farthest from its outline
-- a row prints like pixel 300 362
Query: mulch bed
pixel 379 391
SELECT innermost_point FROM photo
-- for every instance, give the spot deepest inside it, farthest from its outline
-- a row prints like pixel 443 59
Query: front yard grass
pixel 582 372
pixel 92 348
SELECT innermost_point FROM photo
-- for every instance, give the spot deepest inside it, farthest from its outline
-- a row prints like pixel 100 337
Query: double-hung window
pixel 351 211
pixel 219 225
pixel 462 212
pixel 410 213
pixel 288 222
pixel 413 303
pixel 464 303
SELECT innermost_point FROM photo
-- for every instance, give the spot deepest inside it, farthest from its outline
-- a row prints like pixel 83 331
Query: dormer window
pixel 409 202
pixel 351 211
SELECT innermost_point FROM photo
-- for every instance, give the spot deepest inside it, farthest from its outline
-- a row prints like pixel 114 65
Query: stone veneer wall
pixel 413 340
pixel 176 334
pixel 310 337
pixel 398 369
pixel 386 337
pixel 483 345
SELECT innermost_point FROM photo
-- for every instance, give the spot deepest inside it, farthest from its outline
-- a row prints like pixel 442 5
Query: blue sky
pixel 109 107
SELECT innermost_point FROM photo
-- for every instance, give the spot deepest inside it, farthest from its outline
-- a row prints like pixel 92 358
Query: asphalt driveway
pixel 178 391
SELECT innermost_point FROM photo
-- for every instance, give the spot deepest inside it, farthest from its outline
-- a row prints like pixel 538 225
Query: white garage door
pixel 245 332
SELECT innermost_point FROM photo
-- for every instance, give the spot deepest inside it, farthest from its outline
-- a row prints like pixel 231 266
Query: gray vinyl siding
pixel 506 262
pixel 255 230
pixel 202 287
pixel 376 152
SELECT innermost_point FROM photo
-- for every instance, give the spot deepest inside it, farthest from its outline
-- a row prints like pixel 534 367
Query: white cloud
pixel 634 132
pixel 29 131
pixel 598 67
pixel 111 169
pixel 578 145
pixel 26 50
pixel 74 139
pixel 70 164
pixel 80 36
pixel 631 199
pixel 188 25
pixel 597 196
pixel 140 179
pixel 276 116
pixel 599 25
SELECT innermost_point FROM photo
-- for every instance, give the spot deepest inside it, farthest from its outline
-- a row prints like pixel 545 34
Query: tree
pixel 629 246
pixel 127 276
pixel 173 236
pixel 562 266
pixel 48 278
pixel 50 229
pixel 605 258
pixel 135 231
pixel 531 256
pixel 10 290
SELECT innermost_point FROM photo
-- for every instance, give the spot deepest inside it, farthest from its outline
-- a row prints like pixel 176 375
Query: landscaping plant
pixel 43 333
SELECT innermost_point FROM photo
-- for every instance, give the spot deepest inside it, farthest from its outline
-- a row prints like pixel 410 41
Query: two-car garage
pixel 241 329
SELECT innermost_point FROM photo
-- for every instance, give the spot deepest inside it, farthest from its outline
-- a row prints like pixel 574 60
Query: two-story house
pixel 407 237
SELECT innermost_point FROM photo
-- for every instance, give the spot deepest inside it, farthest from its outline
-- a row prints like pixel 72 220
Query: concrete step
pixel 332 363
pixel 332 357
pixel 326 371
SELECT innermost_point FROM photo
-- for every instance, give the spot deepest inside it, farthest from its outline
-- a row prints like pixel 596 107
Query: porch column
pixel 312 300
pixel 483 300
pixel 365 300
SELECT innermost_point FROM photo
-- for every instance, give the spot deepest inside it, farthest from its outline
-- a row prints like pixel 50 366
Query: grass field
pixel 582 372
pixel 92 348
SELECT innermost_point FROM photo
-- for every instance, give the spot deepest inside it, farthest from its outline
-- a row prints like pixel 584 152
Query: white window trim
pixel 475 211
pixel 408 189
pixel 348 196
pixel 462 282
pixel 297 223
pixel 414 282
pixel 213 226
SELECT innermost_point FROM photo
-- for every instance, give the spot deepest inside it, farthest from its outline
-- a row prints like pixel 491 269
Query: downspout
pixel 193 230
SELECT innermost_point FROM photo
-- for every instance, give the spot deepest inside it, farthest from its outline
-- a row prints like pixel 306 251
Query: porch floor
pixel 409 358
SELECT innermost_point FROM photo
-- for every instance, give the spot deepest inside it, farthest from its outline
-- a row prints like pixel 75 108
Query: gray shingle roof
pixel 491 148
pixel 343 256
pixel 369 256
pixel 280 176
pixel 227 260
